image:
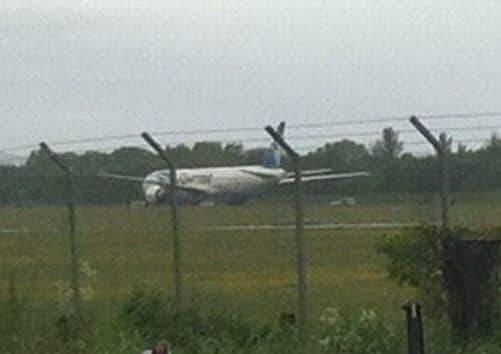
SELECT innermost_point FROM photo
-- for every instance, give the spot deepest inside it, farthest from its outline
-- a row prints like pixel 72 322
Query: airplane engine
pixel 154 194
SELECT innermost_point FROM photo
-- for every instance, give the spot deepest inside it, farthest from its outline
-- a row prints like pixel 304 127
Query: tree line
pixel 38 181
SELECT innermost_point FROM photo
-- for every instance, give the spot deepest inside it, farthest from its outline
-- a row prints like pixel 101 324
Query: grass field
pixel 252 272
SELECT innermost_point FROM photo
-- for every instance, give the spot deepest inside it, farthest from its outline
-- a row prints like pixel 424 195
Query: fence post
pixel 467 265
pixel 442 148
pixel 301 253
pixel 178 297
pixel 75 271
pixel 414 327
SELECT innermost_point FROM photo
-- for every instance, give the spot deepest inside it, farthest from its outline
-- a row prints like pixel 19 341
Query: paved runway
pixel 326 226
pixel 19 230
pixel 276 227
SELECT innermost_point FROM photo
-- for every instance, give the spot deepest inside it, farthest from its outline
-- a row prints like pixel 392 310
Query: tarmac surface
pixel 322 226
pixel 276 227
pixel 19 230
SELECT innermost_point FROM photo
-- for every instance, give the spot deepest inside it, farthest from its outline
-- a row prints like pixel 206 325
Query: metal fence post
pixel 175 220
pixel 415 335
pixel 75 271
pixel 444 172
pixel 442 148
pixel 301 253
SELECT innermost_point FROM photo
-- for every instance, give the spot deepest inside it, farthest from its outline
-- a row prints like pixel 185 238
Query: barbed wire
pixel 300 148
pixel 345 123
pixel 367 134
pixel 406 143
pixel 395 119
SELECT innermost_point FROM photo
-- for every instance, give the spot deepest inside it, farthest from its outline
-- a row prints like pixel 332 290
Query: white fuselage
pixel 222 183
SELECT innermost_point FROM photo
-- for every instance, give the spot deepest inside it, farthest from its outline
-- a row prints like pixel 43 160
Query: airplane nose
pixel 154 194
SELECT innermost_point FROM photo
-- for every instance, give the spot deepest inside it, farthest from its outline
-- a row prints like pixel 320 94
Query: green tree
pixel 389 147
pixel 340 156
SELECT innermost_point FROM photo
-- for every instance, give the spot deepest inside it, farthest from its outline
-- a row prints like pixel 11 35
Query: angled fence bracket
pixel 441 147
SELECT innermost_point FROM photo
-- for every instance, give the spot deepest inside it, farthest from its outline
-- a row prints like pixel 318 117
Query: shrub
pixel 365 333
pixel 415 259
pixel 454 271
pixel 192 331
pixel 154 316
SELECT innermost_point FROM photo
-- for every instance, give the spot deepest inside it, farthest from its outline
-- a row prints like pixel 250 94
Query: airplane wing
pixel 104 174
pixel 326 177
pixel 320 171
pixel 201 189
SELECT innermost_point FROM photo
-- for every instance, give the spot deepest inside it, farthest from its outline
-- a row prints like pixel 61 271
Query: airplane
pixel 231 185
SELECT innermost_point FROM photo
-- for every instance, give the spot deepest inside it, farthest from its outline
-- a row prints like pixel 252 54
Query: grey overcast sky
pixel 75 69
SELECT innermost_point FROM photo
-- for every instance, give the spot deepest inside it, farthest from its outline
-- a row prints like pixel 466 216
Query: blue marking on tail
pixel 271 158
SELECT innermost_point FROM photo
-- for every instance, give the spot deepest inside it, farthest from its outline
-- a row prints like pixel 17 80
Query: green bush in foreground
pixel 148 315
pixel 417 257
pixel 455 272
pixel 357 334
pixel 196 331
pixel 414 259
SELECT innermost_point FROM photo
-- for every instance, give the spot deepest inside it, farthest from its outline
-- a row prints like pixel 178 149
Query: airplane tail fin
pixel 271 158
